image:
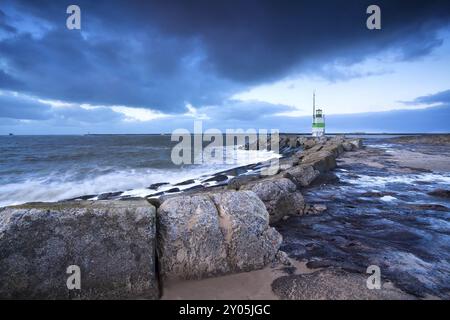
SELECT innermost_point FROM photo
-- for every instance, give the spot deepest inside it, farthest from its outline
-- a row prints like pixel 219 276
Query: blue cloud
pixel 19 107
pixel 442 97
pixel 14 107
pixel 243 110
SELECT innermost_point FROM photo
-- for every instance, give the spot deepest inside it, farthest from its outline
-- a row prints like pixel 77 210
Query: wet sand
pixel 420 160
pixel 254 285
pixel 295 282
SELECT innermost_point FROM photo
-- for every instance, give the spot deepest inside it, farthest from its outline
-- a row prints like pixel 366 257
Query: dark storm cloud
pixel 4 26
pixel 162 54
pixel 76 114
pixel 13 106
pixel 8 82
pixel 442 97
pixel 244 110
pixel 257 40
pixel 62 65
pixel 334 74
pixel 6 29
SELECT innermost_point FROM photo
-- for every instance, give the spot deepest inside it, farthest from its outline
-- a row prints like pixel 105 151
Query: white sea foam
pixel 388 198
pixel 367 181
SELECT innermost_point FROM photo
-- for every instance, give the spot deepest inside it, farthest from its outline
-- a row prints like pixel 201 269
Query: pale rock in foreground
pixel 190 241
pixel 112 242
pixel 214 233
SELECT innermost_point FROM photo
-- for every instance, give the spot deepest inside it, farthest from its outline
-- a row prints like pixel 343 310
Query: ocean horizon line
pixel 166 134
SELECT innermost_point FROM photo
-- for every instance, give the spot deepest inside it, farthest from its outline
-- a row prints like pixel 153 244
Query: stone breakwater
pixel 125 249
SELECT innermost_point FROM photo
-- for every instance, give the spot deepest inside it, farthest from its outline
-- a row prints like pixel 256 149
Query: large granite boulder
pixel 357 143
pixel 347 146
pixel 283 141
pixel 287 163
pixel 322 160
pixel 293 142
pixel 302 175
pixel 336 149
pixel 337 138
pixel 314 148
pixel 237 182
pixel 112 243
pixel 280 196
pixel 288 142
pixel 308 143
pixel 214 233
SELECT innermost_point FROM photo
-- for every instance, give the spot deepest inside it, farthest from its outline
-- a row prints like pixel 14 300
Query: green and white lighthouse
pixel 318 123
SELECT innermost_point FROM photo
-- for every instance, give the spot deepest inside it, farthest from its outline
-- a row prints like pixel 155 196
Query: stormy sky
pixel 154 66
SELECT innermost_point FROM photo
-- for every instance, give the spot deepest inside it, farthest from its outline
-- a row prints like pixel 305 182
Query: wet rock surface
pixel 112 242
pixel 378 214
pixel 155 186
pixel 109 195
pixel 430 139
pixel 237 182
pixel 440 193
